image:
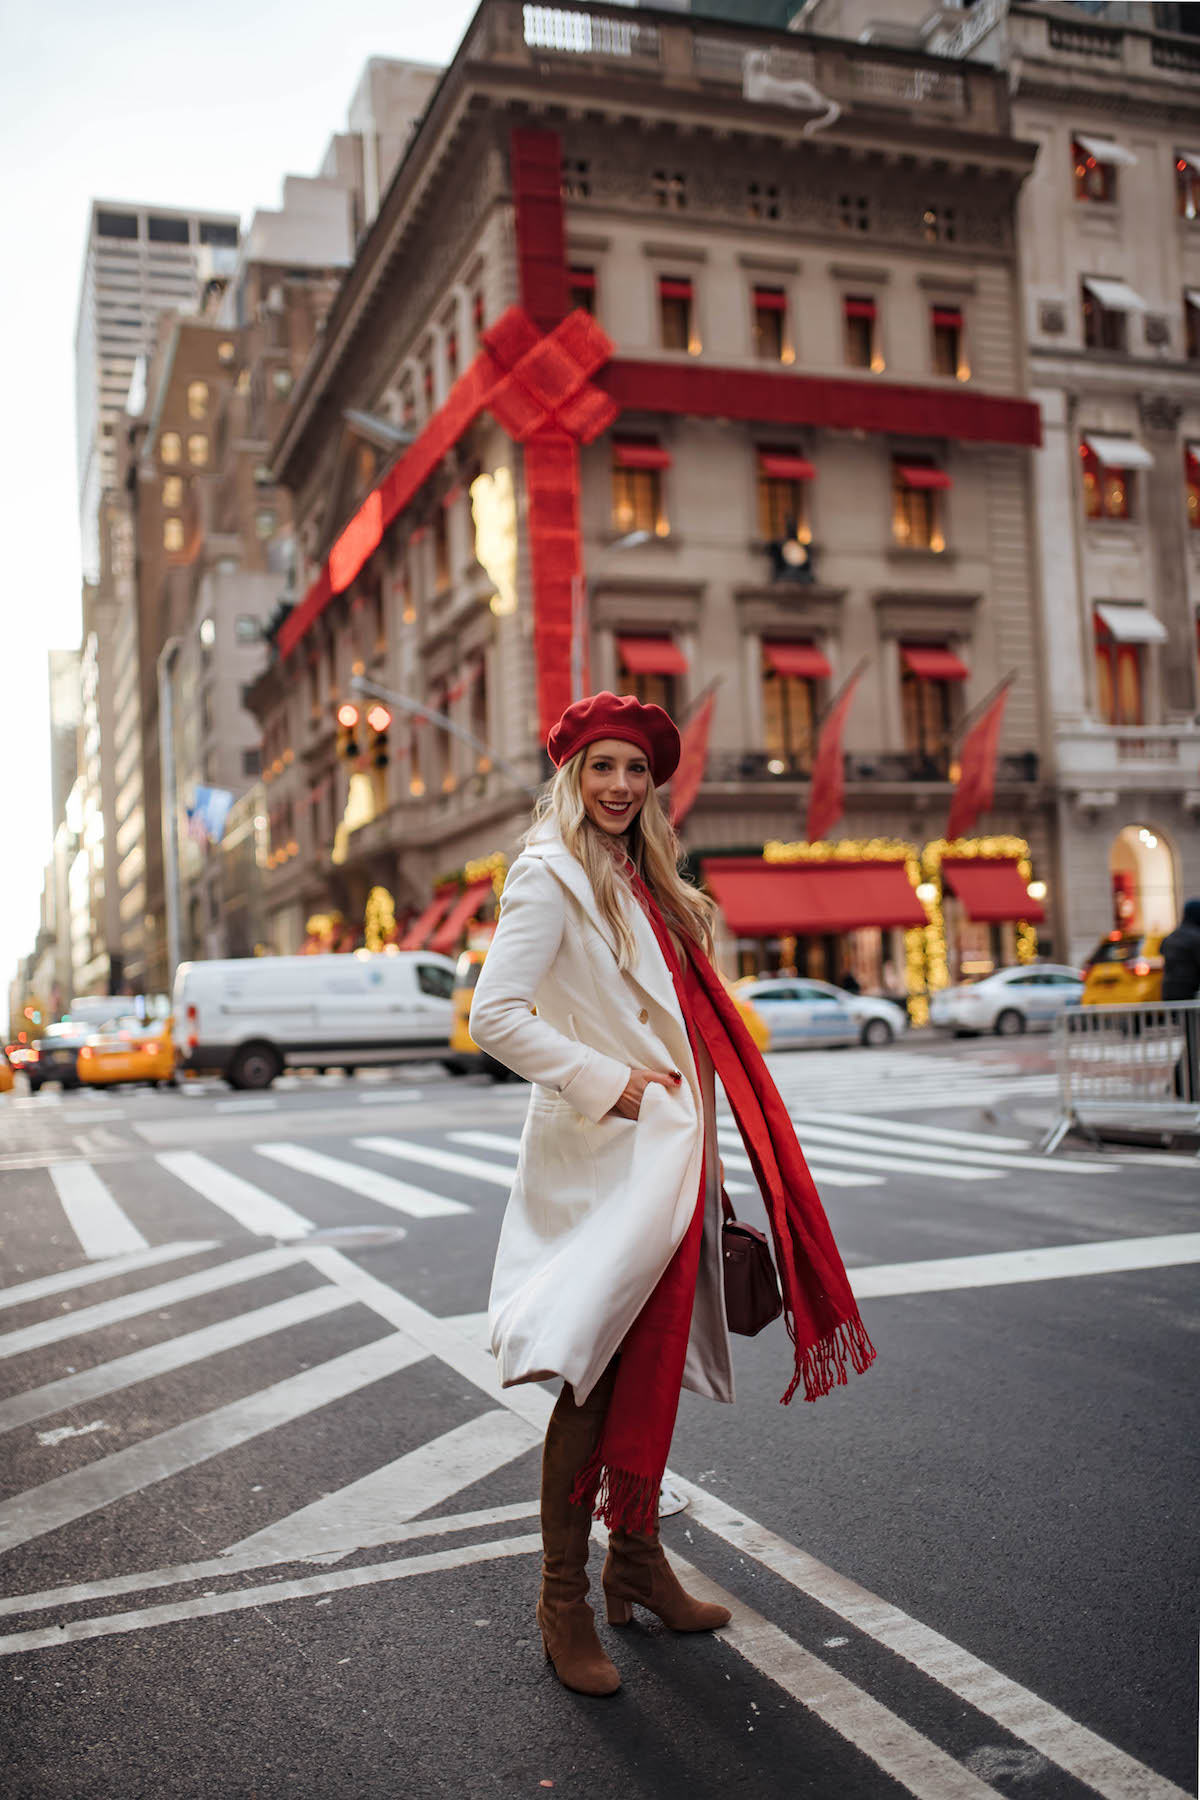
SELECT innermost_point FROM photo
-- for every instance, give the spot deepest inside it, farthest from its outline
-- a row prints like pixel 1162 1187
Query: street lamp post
pixel 170 801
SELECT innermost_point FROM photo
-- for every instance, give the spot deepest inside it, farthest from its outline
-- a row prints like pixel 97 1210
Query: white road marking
pixel 829 1135
pixel 174 1353
pixel 1006 1267
pixel 401 1196
pixel 894 1162
pixel 48 1439
pixel 252 1207
pixel 391 1097
pixel 129 1306
pixel 98 1222
pixel 183 1574
pixel 828 1177
pixel 85 1490
pixel 472 1325
pixel 434 1158
pixel 487 1140
pixel 66 1279
pixel 208 1606
pixel 1067 1744
pixel 367 1511
pixel 252 1103
pixel 92 1116
pixel 495 1140
pixel 970 1140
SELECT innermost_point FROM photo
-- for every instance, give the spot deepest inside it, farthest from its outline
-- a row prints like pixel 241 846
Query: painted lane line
pixel 129 1306
pixel 259 1103
pixel 252 1207
pixel 174 1353
pixel 1067 1744
pixel 993 1159
pixel 970 1140
pixel 487 1140
pixel 919 1766
pixel 433 1158
pixel 98 1222
pixel 418 1203
pixel 494 1140
pixel 66 1279
pixel 820 1172
pixel 366 1512
pixel 396 1097
pixel 1005 1268
pixel 209 1606
pixel 85 1490
pixel 92 1116
pixel 896 1162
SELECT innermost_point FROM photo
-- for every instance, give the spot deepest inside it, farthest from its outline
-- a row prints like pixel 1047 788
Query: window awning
pixel 1118 452
pixel 785 465
pixel 916 475
pixel 1192 451
pixel 769 299
pixel 1116 296
pixel 418 932
pixel 674 287
pixel 1131 623
pixel 933 662
pixel 950 316
pixel 804 660
pixel 455 922
pixel 860 309
pixel 581 278
pixel 992 890
pixel 652 656
pixel 1192 296
pixel 761 899
pixel 628 454
pixel 1191 158
pixel 1105 151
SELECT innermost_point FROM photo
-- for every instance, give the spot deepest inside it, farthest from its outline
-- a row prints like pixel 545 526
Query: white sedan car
pixel 1026 998
pixel 800 1012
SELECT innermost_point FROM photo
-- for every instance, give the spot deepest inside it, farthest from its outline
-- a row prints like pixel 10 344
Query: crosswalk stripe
pixel 971 1140
pixel 367 1511
pixel 994 1159
pixel 85 1490
pixel 162 1359
pixel 847 1178
pixel 92 1213
pixel 1004 1268
pixel 449 1160
pixel 894 1163
pixel 493 1140
pixel 63 1280
pixel 252 1207
pixel 418 1203
pixel 129 1306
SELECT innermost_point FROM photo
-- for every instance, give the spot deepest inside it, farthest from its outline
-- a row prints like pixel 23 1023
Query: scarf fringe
pixel 622 1500
pixel 822 1366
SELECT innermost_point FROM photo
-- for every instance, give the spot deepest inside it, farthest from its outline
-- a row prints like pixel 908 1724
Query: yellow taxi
pixel 1124 969
pixel 129 1049
pixel 6 1074
pixel 465 1054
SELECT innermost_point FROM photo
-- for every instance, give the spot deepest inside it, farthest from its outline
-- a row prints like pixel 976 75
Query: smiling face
pixel 613 781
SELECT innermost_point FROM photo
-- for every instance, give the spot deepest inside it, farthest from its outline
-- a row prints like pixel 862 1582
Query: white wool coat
pixel 600 1203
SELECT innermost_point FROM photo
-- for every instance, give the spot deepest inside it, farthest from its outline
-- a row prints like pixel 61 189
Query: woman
pixel 598 989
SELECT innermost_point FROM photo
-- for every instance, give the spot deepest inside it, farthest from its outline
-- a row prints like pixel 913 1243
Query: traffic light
pixel 347 718
pixel 379 719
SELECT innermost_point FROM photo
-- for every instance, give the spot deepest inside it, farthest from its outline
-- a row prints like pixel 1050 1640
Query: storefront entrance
pixel 1144 891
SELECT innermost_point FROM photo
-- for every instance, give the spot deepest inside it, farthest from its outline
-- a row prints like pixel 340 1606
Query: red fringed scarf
pixel 621 1481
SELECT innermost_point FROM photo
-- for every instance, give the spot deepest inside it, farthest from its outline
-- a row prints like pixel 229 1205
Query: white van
pixel 246 1019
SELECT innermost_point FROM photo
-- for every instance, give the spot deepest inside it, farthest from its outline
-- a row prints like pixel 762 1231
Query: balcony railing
pixel 883 765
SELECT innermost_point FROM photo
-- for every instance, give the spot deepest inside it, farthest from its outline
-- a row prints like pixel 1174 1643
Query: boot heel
pixel 618 1611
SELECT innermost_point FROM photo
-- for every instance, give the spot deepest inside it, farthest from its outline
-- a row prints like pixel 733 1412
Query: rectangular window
pixel 452 355
pixel 783 478
pixel 1095 162
pixel 917 517
pixel 441 550
pixel 861 322
pixel 1107 492
pixel 581 289
pixel 654 685
pixel 1104 327
pixel 771 325
pixel 1187 184
pixel 1191 472
pixel 166 231
pixel 949 343
pixel 927 705
pixel 1191 323
pixel 670 190
pixel 479 724
pixel 789 703
pixel 215 231
pixel 1118 680
pixel 638 499
pixel 116 225
pixel 676 298
pixel 252 762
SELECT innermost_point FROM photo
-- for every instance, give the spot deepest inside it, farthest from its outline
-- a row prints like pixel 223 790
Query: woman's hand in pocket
pixel 630 1103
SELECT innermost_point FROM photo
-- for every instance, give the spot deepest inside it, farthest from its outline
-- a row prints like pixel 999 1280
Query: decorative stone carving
pixel 1052 317
pixel 1158 412
pixel 1157 328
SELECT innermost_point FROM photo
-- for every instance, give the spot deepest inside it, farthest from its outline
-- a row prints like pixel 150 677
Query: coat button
pixel 643 1017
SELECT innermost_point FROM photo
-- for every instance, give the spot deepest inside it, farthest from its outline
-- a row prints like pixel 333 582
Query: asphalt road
pixel 269 1528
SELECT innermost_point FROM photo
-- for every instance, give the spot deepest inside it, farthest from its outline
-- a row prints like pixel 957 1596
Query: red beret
pixel 617 716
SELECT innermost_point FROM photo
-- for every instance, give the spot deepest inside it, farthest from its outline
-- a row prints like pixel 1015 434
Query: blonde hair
pixel 652 847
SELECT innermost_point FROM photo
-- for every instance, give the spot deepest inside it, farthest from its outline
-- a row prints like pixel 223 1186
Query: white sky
pixel 129 100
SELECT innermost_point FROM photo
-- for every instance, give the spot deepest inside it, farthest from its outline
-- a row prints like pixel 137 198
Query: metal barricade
pixel 1127 1068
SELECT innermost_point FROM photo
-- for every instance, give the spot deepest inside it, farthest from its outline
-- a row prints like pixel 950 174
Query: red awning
pixel 417 933
pixel 761 899
pixel 674 288
pixel 770 299
pixel 949 316
pixel 455 922
pixel 915 475
pixel 933 662
pixel 581 278
pixel 860 309
pixel 784 465
pixel 992 890
pixel 652 656
pixel 630 455
pixel 797 659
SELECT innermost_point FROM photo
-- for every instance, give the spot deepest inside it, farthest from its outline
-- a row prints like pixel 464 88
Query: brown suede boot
pixel 567 1626
pixel 637 1573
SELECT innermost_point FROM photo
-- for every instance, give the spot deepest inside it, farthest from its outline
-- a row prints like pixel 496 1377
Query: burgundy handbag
pixel 751 1286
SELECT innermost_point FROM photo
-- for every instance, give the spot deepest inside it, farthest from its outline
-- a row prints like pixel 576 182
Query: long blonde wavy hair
pixel 652 847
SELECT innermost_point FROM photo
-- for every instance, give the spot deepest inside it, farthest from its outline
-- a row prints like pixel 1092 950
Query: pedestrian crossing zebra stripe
pixel 401 1196
pixel 258 1211
pixel 63 1280
pixel 102 1228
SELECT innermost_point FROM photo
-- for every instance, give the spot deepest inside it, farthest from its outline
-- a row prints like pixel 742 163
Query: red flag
pixel 826 798
pixel 977 770
pixel 693 754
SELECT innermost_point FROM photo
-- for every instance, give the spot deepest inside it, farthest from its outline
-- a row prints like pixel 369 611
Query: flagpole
pixel 851 678
pixel 695 705
pixel 976 713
